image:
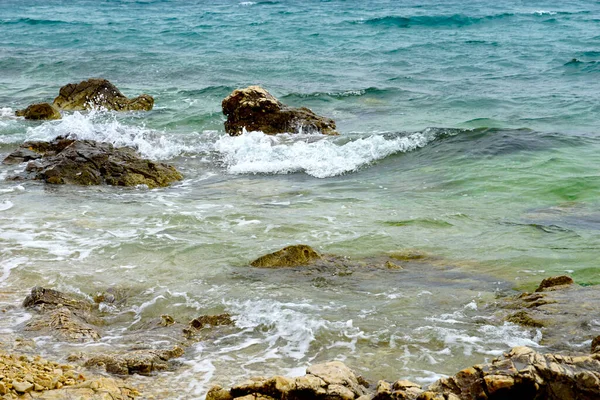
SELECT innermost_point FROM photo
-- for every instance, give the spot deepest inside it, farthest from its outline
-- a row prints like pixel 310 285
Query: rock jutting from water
pixel 87 162
pixel 290 256
pixel 255 109
pixel 86 95
pixel 521 373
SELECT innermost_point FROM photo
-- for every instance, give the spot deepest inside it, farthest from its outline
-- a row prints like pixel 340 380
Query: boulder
pixel 87 162
pixel 204 321
pixel 95 93
pixel 255 109
pixel 39 111
pixel 141 362
pixel 290 256
pixel 554 282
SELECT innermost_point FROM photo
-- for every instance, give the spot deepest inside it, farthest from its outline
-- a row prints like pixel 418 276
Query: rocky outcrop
pixel 60 315
pixel 39 111
pixel 37 378
pixel 87 162
pixel 136 361
pixel 95 93
pixel 204 321
pixel 290 256
pixel 560 309
pixel 520 374
pixel 255 109
pixel 332 380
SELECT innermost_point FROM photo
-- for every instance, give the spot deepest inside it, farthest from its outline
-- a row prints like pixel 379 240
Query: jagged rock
pixel 289 256
pixel 39 111
pixel 99 93
pixel 596 345
pixel 136 361
pixel 87 162
pixel 555 282
pixel 255 109
pixel 332 380
pixel 520 374
pixel 63 316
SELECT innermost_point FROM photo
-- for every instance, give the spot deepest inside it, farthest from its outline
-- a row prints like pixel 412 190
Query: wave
pixel 318 156
pixel 370 91
pixel 35 21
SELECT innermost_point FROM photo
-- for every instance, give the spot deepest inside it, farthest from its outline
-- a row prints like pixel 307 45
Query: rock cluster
pixel 520 374
pixel 36 378
pixel 255 109
pixel 135 362
pixel 87 162
pixel 85 95
pixel 332 380
pixel 290 256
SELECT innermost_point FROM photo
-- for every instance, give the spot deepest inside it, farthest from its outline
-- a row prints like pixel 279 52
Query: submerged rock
pixel 87 162
pixel 255 109
pixel 136 361
pixel 290 256
pixel 99 93
pixel 39 111
pixel 560 309
pixel 204 321
pixel 520 374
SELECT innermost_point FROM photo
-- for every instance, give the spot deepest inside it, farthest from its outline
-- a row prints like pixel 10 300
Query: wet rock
pixel 290 256
pixel 39 111
pixel 332 380
pixel 561 311
pixel 554 282
pixel 141 362
pixel 204 321
pixel 87 162
pixel 596 345
pixel 95 93
pixel 255 109
pixel 64 316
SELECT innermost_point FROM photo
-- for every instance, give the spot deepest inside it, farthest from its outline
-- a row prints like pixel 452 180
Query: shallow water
pixel 468 132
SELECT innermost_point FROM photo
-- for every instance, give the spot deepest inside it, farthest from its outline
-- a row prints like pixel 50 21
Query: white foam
pixel 103 126
pixel 247 3
pixel 321 157
pixel 7 113
pixel 6 205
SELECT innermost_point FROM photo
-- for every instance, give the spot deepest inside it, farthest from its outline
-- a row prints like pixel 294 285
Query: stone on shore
pixel 520 374
pixel 87 162
pixel 95 93
pixel 39 111
pixel 141 362
pixel 255 109
pixel 290 256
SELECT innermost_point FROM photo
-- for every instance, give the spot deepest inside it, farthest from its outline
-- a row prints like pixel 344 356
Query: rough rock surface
pixel 39 111
pixel 561 310
pixel 332 380
pixel 99 93
pixel 136 361
pixel 37 378
pixel 203 321
pixel 520 374
pixel 290 256
pixel 87 162
pixel 63 316
pixel 255 109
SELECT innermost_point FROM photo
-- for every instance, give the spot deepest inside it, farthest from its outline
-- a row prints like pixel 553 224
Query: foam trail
pixel 256 153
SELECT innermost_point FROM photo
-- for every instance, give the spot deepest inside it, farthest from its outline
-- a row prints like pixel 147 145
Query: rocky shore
pixel 559 307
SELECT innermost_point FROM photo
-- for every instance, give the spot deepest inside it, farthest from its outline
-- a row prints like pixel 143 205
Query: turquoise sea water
pixel 469 131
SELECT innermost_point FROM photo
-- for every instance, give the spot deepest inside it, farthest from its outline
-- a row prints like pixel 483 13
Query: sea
pixel 469 134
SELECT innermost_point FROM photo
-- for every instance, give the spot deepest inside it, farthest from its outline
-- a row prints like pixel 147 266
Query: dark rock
pixel 40 111
pixel 141 362
pixel 87 162
pixel 554 281
pixel 255 109
pixel 204 321
pixel 596 345
pixel 290 256
pixel 523 318
pixel 94 93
